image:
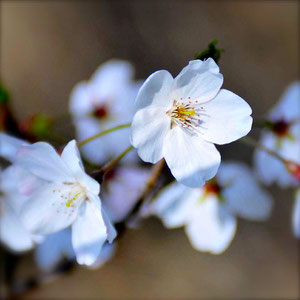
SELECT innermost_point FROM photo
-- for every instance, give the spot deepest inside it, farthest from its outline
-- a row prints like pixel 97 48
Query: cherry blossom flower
pixel 9 146
pixel 296 215
pixel 66 196
pixel 121 189
pixel 13 233
pixel 180 119
pixel 58 246
pixel 283 136
pixel 105 101
pixel 209 213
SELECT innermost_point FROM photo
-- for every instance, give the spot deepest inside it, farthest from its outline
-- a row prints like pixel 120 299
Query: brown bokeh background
pixel 48 46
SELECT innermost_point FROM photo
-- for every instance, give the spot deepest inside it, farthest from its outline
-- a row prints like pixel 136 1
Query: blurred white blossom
pixel 13 233
pixel 121 190
pixel 105 101
pixel 283 137
pixel 58 246
pixel 209 213
pixel 296 215
pixel 9 146
pixel 65 196
pixel 181 118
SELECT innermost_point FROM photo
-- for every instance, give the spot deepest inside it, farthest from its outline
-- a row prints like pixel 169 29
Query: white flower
pixel 209 213
pixel 180 120
pixel 121 189
pixel 296 215
pixel 9 146
pixel 283 137
pixel 105 101
pixel 13 233
pixel 66 196
pixel 58 246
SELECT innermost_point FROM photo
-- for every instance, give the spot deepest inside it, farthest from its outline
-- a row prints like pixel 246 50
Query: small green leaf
pixel 211 51
pixel 4 96
pixel 40 125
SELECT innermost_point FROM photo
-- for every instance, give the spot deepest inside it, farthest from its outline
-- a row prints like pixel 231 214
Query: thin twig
pixel 252 142
pixel 155 172
pixel 111 164
pixel 102 133
pixel 98 175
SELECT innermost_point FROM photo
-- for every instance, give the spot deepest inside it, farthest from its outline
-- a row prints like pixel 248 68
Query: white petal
pixel 9 146
pixel 54 249
pixel 9 185
pixel 148 131
pixel 191 160
pixel 47 210
pixel 199 80
pixel 12 232
pixel 42 160
pixel 110 229
pixel 242 192
pixel 270 169
pixel 174 204
pixel 71 157
pixel 211 228
pixel 106 253
pixel 296 215
pixel 121 192
pixel 88 234
pixel 81 100
pixel 94 151
pixel 290 148
pixel 112 75
pixel 156 90
pixel 226 119
pixel 288 107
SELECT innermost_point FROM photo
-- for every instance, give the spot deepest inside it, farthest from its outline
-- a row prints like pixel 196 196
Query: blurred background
pixel 48 46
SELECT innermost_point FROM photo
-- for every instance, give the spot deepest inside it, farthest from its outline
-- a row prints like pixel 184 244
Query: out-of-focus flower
pixel 66 196
pixel 9 146
pixel 24 182
pixel 121 189
pixel 107 253
pixel 58 246
pixel 296 215
pixel 181 119
pixel 13 233
pixel 282 136
pixel 209 213
pixel 105 101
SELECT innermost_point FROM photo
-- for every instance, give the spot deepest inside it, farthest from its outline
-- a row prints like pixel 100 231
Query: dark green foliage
pixel 211 51
pixel 4 96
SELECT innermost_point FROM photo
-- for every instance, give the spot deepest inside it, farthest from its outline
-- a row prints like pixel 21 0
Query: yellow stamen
pixel 182 111
pixel 68 204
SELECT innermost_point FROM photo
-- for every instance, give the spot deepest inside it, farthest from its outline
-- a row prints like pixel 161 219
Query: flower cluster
pixel 49 201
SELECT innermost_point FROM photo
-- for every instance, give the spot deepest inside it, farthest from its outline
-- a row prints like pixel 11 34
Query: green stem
pixel 252 142
pixel 111 164
pixel 102 133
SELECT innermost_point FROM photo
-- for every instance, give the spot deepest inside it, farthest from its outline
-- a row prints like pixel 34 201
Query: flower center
pixel 186 115
pixel 100 112
pixel 212 187
pixel 71 195
pixel 281 128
